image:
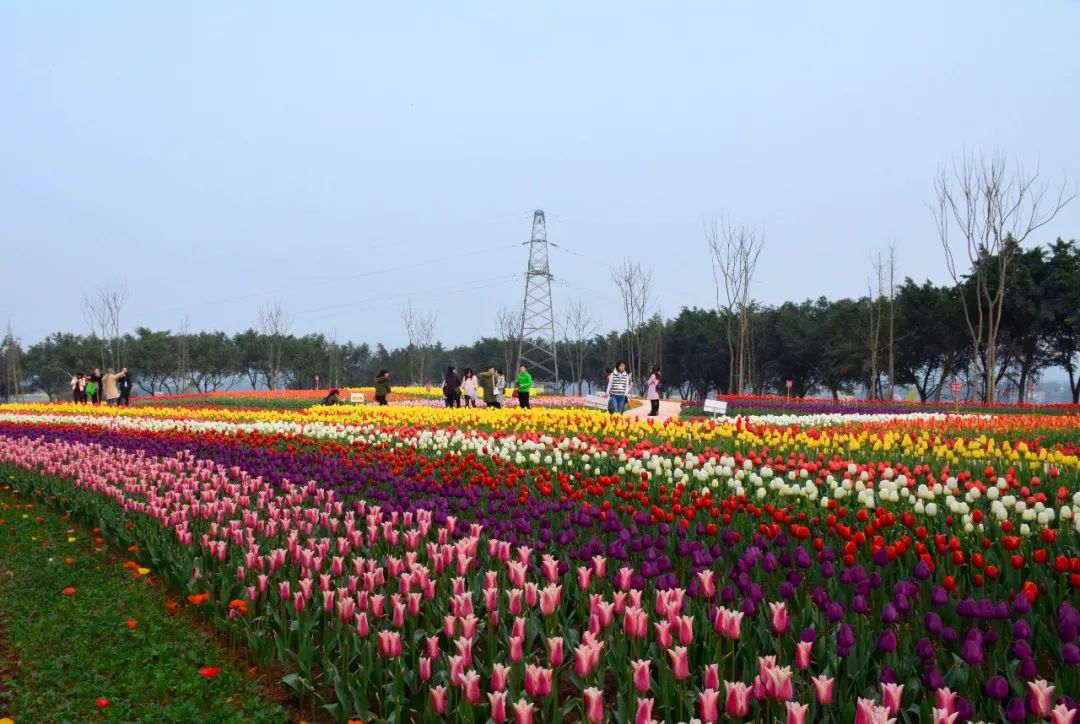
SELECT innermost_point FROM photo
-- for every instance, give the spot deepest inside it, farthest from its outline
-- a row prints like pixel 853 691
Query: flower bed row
pixel 882 598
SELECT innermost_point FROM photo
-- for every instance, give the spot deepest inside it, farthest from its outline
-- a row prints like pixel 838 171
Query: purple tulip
pixel 1016 711
pixel 889 614
pixel 1071 653
pixel 1021 630
pixel 887 641
pixel 972 652
pixel 997 687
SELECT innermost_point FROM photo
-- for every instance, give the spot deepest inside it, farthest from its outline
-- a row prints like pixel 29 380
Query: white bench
pixel 357 397
pixel 715 407
pixel 596 402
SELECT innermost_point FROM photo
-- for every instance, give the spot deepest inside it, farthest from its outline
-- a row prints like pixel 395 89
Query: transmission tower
pixel 536 341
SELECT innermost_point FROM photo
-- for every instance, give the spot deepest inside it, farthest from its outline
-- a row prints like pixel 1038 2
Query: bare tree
pixel 993 209
pixel 734 252
pixel 635 288
pixel 579 325
pixel 102 312
pixel 892 321
pixel 508 326
pixel 875 309
pixel 420 327
pixel 274 323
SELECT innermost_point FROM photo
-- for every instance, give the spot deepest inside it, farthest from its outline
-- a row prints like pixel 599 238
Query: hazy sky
pixel 343 157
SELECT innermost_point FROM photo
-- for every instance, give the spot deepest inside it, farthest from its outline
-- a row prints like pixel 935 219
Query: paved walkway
pixel 668 409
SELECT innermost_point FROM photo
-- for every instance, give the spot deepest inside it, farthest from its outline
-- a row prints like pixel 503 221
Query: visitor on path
pixel 382 387
pixel 500 382
pixel 469 385
pixel 452 387
pixel 487 383
pixel 112 390
pixel 524 387
pixel 78 388
pixel 125 384
pixel 618 387
pixel 652 394
pixel 607 378
pixel 93 387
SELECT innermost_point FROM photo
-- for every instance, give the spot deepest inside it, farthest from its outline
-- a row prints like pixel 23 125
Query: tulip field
pixel 410 563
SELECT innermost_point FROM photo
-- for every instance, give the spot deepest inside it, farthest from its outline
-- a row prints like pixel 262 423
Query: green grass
pixel 65 652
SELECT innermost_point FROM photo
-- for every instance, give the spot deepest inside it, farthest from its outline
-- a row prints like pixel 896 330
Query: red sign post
pixel 787 384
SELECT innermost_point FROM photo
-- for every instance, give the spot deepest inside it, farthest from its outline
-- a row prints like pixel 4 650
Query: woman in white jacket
pixel 618 388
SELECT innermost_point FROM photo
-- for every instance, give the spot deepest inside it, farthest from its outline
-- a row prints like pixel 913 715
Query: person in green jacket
pixel 524 387
pixel 487 384
pixel 382 386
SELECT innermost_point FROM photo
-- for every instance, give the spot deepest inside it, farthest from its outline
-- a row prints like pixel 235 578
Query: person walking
pixel 652 394
pixel 125 388
pixel 452 387
pixel 618 387
pixel 382 387
pixel 488 384
pixel 468 385
pixel 524 387
pixel 78 388
pixel 93 387
pixel 112 391
pixel 500 382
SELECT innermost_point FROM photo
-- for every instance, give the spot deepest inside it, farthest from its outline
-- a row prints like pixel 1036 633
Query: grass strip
pixel 86 639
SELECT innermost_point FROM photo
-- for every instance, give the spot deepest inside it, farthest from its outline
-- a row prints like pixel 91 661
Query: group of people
pixel 113 387
pixel 617 383
pixel 489 383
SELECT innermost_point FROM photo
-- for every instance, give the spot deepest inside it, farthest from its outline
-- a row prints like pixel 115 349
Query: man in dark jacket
pixel 124 383
pixel 452 387
pixel 382 386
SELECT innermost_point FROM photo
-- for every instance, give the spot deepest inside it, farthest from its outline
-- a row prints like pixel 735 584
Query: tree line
pixel 834 347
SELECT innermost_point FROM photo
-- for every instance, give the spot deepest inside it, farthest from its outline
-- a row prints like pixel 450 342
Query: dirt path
pixel 668 409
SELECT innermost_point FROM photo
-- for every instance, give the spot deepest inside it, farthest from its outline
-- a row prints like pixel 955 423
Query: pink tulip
pixel 390 643
pixel 779 617
pixel 709 703
pixel 1062 715
pixel 680 663
pixel 599 566
pixel 712 676
pixel 500 675
pixel 362 627
pixel 523 712
pixel 549 599
pixel 705 583
pixel 438 699
pixel 663 634
pixel 425 668
pixel 518 628
pixel 497 699
pixel 823 686
pixel 457 669
pixel 550 568
pixel 513 597
pixel 470 681
pixel 432 644
pixel 283 591
pixel 298 602
pixel 555 651
pixel 737 701
pixel 636 622
pixel 779 684
pixel 686 630
pixel 584 577
pixel 515 648
pixel 802 655
pixel 641 674
pixel 644 711
pixel 891 695
pixel 1041 698
pixel 449 625
pixel 464 649
pixel 796 713
pixel 623 578
pixel 941 716
pixel 594 705
pixel 946 699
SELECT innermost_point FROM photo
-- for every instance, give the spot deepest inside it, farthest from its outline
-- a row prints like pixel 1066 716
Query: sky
pixel 346 158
